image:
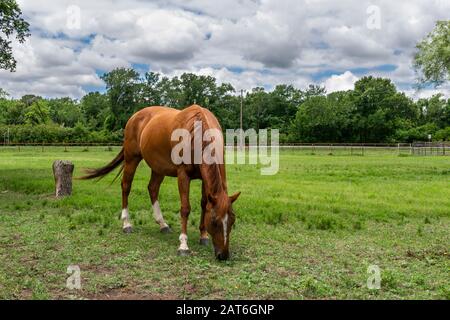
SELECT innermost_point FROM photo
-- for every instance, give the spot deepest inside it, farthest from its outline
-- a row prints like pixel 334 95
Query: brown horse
pixel 148 136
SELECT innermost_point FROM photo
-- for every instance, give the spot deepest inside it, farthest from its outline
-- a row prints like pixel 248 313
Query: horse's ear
pixel 234 197
pixel 212 199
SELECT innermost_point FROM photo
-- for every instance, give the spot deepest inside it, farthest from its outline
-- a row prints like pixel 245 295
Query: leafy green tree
pixel 257 109
pixel 197 89
pixel 151 90
pixel 11 23
pixel 442 135
pixel 38 112
pixel 436 110
pixel 419 133
pixel 313 91
pixel 95 108
pixel 228 111
pixel 324 119
pixel 3 94
pixel 65 111
pixel 432 61
pixel 13 112
pixel 124 91
pixel 284 102
pixel 28 99
pixel 186 90
pixel 378 107
pixel 170 92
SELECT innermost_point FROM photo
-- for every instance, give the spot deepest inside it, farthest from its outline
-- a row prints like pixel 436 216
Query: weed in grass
pixel 275 218
pixel 324 222
pixel 389 280
pixel 444 292
pixel 312 288
pixel 420 231
pixel 358 225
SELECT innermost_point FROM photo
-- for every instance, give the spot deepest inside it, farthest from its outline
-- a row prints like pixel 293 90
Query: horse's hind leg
pixel 153 190
pixel 129 169
pixel 183 188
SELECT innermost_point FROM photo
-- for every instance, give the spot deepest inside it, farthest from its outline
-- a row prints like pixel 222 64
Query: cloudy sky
pixel 245 42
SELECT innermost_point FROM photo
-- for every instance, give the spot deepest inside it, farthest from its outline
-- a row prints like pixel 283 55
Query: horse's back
pixel 149 132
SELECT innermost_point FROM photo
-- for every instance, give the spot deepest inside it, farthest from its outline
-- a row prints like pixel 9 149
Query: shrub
pixel 442 135
pixel 51 133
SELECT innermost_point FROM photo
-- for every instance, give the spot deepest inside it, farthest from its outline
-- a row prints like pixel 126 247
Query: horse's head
pixel 219 220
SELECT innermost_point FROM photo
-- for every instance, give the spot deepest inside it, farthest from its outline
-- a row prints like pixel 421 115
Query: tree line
pixel 374 111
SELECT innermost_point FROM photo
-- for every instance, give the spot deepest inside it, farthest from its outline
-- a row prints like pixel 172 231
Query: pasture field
pixel 309 232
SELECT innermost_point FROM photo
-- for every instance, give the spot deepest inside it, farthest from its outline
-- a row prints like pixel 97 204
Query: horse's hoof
pixel 204 241
pixel 165 230
pixel 184 253
pixel 127 230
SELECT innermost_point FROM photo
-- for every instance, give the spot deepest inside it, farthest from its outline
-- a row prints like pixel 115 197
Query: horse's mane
pixel 212 174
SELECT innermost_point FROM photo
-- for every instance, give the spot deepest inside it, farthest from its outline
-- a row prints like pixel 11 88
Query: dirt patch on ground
pixel 428 253
pixel 129 294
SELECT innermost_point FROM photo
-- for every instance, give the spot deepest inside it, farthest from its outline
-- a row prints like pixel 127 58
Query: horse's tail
pixel 103 171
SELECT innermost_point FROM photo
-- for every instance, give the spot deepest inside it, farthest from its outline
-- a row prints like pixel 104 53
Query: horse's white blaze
pixel 225 226
pixel 125 218
pixel 183 242
pixel 158 215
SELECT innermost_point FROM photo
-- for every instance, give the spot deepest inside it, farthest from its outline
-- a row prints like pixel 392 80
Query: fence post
pixel 410 149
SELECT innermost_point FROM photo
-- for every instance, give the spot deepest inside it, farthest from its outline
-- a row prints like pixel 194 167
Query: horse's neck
pixel 213 175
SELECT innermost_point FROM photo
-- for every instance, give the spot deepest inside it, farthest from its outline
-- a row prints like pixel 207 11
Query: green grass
pixel 309 232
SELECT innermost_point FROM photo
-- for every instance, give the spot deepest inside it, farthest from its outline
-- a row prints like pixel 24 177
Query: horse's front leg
pixel 203 234
pixel 183 188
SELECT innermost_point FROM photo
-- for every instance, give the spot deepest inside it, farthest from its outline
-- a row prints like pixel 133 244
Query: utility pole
pixel 241 143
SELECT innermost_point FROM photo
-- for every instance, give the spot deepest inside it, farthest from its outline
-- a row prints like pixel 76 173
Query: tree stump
pixel 62 171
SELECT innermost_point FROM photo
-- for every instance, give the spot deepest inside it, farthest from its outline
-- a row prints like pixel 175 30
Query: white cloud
pixel 268 41
pixel 340 82
pixel 427 93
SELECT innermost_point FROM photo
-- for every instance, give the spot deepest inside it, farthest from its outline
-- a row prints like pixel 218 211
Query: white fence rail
pixel 413 149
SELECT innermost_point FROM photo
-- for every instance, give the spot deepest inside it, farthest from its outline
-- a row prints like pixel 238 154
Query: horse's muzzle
pixel 220 255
